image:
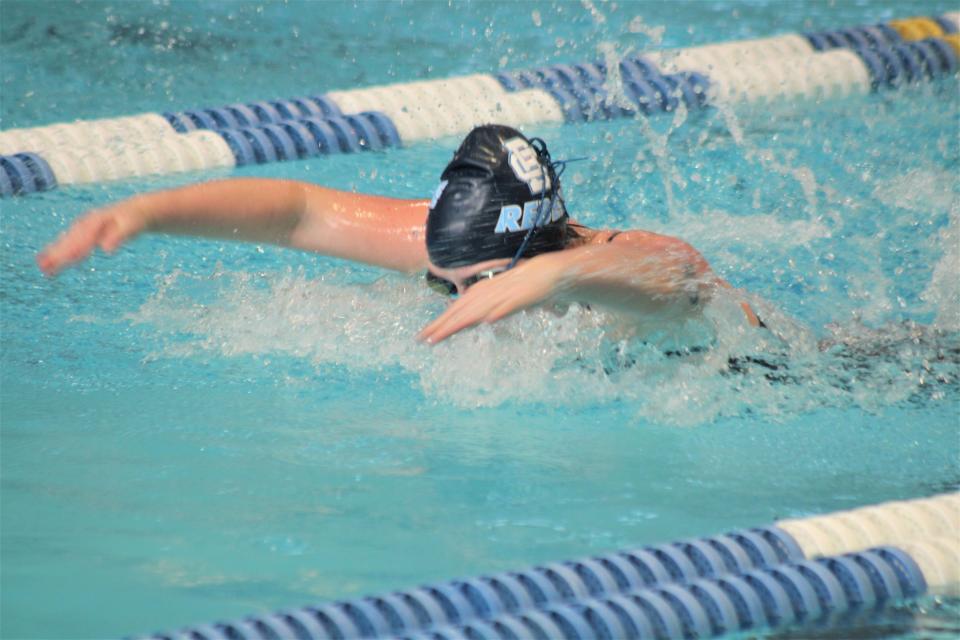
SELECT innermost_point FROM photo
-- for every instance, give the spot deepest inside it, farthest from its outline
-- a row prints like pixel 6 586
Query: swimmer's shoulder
pixel 583 235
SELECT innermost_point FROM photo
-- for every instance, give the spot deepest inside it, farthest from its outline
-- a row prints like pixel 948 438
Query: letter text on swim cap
pixel 510 216
pixel 509 219
pixel 532 208
pixel 523 159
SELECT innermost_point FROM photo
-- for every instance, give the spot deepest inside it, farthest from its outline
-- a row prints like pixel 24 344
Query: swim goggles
pixel 444 286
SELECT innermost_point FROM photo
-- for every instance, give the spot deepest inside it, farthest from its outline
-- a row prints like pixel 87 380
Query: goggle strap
pixel 547 168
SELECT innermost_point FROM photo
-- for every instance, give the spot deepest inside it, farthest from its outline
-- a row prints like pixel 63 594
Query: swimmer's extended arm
pixel 385 232
pixel 645 274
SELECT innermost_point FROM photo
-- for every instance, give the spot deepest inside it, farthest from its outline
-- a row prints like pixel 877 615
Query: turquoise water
pixel 194 430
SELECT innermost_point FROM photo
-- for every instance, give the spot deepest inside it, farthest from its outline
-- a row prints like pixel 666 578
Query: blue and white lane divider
pixel 307 137
pixel 801 571
pixel 809 592
pixel 792 66
pixel 25 173
pixel 438 108
pixel 235 116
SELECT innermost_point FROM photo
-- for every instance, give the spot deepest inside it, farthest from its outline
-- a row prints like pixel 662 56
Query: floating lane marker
pixel 805 593
pixel 234 116
pixel 162 155
pixel 888 524
pixel 295 139
pixel 950 22
pixel 801 571
pixel 811 66
pixel 438 108
pixel 704 58
pixel 917 28
pixel 84 133
pixel 530 591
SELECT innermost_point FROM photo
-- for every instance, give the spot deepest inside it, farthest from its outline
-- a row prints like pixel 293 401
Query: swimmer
pixel 496 236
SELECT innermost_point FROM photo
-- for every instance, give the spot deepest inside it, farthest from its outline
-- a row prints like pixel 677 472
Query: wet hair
pixel 498 198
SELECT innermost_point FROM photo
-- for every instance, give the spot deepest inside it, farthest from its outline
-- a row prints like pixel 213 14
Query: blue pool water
pixel 195 430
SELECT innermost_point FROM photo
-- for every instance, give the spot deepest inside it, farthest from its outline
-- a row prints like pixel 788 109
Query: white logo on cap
pixel 513 218
pixel 526 165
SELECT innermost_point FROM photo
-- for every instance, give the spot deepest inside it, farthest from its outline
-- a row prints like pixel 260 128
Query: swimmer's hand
pixel 643 275
pixel 526 285
pixel 106 228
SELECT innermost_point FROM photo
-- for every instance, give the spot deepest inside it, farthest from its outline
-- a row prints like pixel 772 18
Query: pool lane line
pixel 819 593
pixel 461 601
pixel 812 570
pixel 161 155
pixel 809 66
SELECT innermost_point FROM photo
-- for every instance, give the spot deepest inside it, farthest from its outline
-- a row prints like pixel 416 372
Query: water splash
pixel 654 34
pixel 595 14
pixel 919 190
pixel 690 375
pixel 803 175
pixel 658 143
pixel 721 233
pixel 942 294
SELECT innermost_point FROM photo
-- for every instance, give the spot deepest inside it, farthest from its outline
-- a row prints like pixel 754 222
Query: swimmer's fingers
pixel 106 229
pixel 445 325
pixel 464 313
pixel 748 311
pixel 73 245
pixel 486 302
pixel 752 318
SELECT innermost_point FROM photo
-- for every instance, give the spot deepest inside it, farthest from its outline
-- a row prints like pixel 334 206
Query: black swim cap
pixel 489 198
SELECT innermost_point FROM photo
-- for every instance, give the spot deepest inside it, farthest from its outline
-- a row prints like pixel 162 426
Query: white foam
pixel 931 192
pixel 942 294
pixel 569 360
pixel 922 190
pixel 596 14
pixel 720 227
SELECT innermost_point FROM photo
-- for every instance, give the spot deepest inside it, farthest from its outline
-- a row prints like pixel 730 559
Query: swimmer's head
pixel 497 187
